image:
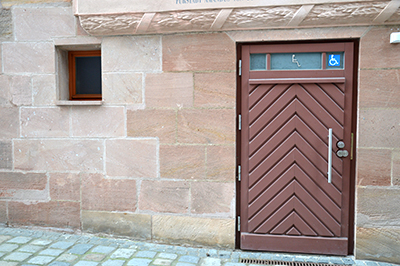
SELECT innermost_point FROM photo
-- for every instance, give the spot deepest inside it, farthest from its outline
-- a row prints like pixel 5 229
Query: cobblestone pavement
pixel 38 247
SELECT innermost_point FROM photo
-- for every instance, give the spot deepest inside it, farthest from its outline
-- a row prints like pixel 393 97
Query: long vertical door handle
pixel 330 156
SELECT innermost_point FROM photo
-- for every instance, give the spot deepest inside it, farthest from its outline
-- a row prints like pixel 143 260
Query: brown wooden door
pixel 286 201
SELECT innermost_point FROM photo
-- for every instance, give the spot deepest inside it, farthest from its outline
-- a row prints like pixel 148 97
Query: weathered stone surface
pixel 3 212
pixel 377 132
pixel 374 167
pixel 396 168
pixel 32 24
pixel 212 197
pixel 6 161
pixel 379 88
pixel 45 122
pixel 139 53
pixel 378 207
pixel 9 3
pixel 194 230
pixel 215 90
pixel 97 121
pixel 132 157
pixel 123 224
pixel 53 213
pixel 44 90
pixel 384 54
pixel 5 95
pixel 29 57
pixel 221 163
pixel 208 126
pixel 182 162
pixel 164 196
pixel 21 90
pixel 102 194
pixel 28 181
pixel 65 186
pixel 122 88
pixel 196 52
pixel 379 244
pixel 9 119
pixel 5 24
pixel 173 90
pixel 59 155
pixel 154 123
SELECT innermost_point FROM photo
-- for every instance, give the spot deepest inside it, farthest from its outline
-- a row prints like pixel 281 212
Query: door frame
pixel 351 228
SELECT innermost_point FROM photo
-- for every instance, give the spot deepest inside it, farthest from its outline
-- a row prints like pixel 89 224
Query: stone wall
pixel 156 160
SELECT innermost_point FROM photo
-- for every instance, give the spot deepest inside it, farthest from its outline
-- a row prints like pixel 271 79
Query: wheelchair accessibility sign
pixel 334 60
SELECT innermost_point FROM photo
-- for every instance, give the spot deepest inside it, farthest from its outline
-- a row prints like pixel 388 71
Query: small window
pixel 84 75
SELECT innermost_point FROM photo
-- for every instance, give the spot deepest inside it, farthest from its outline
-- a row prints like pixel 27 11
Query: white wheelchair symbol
pixel 333 61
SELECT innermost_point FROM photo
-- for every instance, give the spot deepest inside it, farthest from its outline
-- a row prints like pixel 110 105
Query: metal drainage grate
pixel 286 263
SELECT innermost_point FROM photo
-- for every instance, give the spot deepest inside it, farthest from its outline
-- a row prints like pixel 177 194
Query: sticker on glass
pixel 334 60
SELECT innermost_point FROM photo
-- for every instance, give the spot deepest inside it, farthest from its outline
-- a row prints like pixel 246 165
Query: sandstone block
pixel 9 119
pixel 374 167
pixel 131 53
pixel 59 155
pixel 6 27
pixel 102 194
pixel 384 54
pixel 154 123
pixel 396 168
pixel 33 24
pixel 378 207
pixel 6 159
pixel 28 181
pixel 182 162
pixel 164 196
pixel 207 126
pixel 97 121
pixel 379 88
pixel 196 52
pixel 194 230
pixel 44 90
pixel 3 212
pixel 65 186
pixel 132 157
pixel 122 88
pixel 221 163
pixel 5 94
pixel 53 213
pixel 173 90
pixel 29 57
pixel 45 122
pixel 215 90
pixel 137 226
pixel 377 132
pixel 21 90
pixel 379 244
pixel 213 198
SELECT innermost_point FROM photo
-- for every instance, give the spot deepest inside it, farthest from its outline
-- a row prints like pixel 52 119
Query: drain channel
pixel 286 263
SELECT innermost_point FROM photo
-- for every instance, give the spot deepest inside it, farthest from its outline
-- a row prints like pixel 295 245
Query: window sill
pixel 68 103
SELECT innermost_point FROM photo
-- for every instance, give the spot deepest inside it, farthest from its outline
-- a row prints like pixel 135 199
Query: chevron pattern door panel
pixel 287 203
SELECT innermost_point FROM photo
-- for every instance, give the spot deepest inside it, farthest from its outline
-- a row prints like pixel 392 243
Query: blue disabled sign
pixel 334 60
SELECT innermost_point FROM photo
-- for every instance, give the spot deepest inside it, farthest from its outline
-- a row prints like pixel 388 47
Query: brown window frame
pixel 72 76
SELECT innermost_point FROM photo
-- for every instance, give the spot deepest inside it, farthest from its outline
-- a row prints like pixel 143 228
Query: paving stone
pixel 30 248
pixel 59 263
pixel 370 263
pixel 234 264
pixel 86 263
pixel 210 262
pixel 51 252
pixel 67 257
pixel 139 262
pixel 80 249
pixel 184 264
pixel 189 259
pixel 20 240
pixel 123 253
pixel 360 263
pixel 103 249
pixel 223 254
pixel 167 256
pixel 8 247
pixel 3 263
pixel 41 260
pixel 348 261
pixel 146 254
pixel 17 256
pixel 163 262
pixel 94 257
pixel 114 263
pixel 41 242
pixel 62 245
pixel 4 238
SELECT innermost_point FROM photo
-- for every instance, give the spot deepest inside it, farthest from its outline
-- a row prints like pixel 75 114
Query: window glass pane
pixel 335 60
pixel 88 75
pixel 296 61
pixel 258 61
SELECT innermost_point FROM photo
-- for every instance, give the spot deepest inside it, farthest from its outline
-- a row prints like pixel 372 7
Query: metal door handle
pixel 330 156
